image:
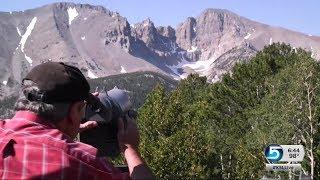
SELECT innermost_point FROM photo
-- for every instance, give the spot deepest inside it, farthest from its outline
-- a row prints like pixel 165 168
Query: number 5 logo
pixel 273 152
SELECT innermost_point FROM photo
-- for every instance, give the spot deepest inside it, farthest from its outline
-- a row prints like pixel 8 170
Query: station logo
pixel 284 157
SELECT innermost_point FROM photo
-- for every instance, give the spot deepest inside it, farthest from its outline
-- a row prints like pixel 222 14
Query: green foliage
pixel 175 139
pixel 221 130
pixel 282 116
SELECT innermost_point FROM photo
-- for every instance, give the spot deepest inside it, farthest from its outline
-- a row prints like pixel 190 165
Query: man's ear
pixel 74 109
pixel 67 124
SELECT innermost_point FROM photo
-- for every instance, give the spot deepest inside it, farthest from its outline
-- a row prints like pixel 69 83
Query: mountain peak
pixel 220 14
pixel 218 11
pixel 167 31
pixel 66 5
pixel 147 23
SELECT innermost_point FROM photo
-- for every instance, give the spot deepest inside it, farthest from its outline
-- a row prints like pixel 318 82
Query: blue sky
pixel 298 15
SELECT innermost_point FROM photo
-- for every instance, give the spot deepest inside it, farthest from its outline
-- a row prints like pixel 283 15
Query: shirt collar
pixel 31 116
pixel 36 119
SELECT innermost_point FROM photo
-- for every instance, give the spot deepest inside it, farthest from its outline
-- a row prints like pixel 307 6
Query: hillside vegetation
pixel 220 131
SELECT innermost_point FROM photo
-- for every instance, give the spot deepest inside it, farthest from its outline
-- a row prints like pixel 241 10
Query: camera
pixel 107 109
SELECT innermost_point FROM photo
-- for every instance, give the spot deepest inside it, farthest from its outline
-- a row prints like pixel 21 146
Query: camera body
pixel 107 109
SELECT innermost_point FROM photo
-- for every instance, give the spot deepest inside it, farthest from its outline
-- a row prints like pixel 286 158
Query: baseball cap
pixel 57 83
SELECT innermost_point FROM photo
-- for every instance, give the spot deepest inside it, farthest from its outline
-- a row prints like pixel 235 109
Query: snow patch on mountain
pixel 215 79
pixel 85 18
pixel 4 82
pixel 202 67
pixel 145 24
pixel 173 47
pixel 123 70
pixel 72 13
pixel 28 59
pixel 91 75
pixel 247 36
pixel 25 36
pixel 193 49
pixel 312 53
pixel 18 31
pixel 174 68
pixel 83 37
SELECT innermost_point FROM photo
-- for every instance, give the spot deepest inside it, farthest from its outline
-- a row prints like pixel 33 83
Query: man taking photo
pixel 37 143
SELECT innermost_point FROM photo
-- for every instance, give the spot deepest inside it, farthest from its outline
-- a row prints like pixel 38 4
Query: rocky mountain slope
pixel 103 43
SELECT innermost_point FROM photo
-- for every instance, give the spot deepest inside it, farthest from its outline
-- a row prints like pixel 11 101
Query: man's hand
pixel 89 124
pixel 128 136
pixel 129 141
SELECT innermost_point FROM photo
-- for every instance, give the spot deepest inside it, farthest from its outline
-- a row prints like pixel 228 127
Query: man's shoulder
pixel 78 153
pixel 75 149
pixel 88 155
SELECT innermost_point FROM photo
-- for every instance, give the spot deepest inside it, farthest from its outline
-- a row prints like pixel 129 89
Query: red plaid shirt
pixel 31 148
